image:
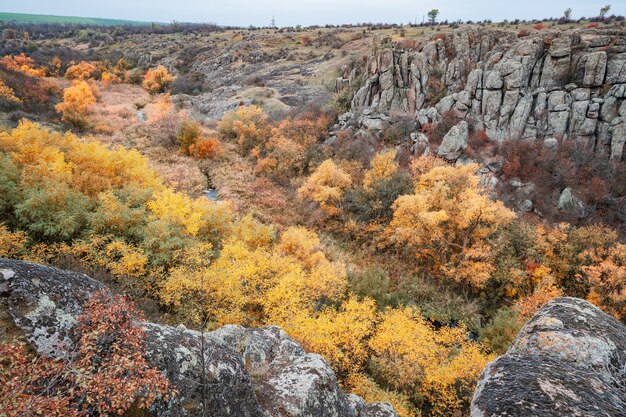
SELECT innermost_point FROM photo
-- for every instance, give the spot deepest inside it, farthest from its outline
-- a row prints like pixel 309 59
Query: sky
pixel 310 12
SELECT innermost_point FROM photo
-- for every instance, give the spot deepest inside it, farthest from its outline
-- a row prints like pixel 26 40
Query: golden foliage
pixel 77 102
pixel 384 165
pixel 7 94
pixel 326 186
pixel 23 64
pixel 248 125
pixel 81 71
pixel 12 244
pixel 157 80
pixel 448 223
pixel 440 370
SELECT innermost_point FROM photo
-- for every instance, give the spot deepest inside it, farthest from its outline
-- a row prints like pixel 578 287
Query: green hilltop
pixel 40 18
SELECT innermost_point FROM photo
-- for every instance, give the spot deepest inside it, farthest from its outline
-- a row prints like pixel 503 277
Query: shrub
pixel 107 374
pixel 77 102
pixel 372 283
pixel 498 335
pixel 206 149
pixel 157 80
pixel 326 186
pixel 188 135
pixel 539 26
pixel 80 71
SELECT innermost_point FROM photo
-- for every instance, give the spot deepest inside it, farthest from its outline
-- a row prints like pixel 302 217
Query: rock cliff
pixel 246 373
pixel 550 84
pixel 569 360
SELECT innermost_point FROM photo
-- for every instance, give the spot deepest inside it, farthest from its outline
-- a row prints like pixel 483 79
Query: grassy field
pixel 40 18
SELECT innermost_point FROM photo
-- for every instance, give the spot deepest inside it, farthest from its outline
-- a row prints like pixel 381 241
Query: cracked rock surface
pixel 568 360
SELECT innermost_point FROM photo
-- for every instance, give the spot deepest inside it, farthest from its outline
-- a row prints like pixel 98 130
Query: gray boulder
pixel 568 360
pixel 571 204
pixel 454 142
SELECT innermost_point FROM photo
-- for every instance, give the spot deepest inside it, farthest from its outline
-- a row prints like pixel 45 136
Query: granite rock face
pixel 569 360
pixel 230 372
pixel 565 84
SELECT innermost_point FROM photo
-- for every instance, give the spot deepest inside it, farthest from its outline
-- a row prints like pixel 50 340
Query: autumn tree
pixel 326 186
pixel 8 95
pixel 77 102
pixel 448 222
pixel 157 80
pixel 207 148
pixel 384 165
pixel 439 373
pixel 248 125
pixel 81 71
pixel 188 135
pixel 23 64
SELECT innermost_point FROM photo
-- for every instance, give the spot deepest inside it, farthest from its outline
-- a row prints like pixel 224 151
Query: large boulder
pixel 568 360
pixel 230 372
pixel 454 142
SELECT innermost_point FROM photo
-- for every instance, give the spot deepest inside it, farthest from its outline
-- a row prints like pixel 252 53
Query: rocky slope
pixel 247 372
pixel 569 360
pixel 549 84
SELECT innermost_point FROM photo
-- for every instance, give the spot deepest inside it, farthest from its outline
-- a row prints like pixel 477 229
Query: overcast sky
pixel 308 12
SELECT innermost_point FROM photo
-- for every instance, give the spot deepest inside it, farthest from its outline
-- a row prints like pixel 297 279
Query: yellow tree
pixel 77 102
pixel 384 165
pixel 157 80
pixel 437 368
pixel 326 186
pixel 81 71
pixel 247 124
pixel 448 221
pixel 607 277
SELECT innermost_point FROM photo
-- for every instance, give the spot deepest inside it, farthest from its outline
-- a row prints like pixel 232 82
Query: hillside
pixel 66 20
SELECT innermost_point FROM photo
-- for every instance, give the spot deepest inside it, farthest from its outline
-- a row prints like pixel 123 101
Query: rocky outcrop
pixel 568 84
pixel 569 360
pixel 232 371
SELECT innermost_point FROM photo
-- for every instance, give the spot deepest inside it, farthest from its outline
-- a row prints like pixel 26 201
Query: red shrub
pixel 106 374
pixel 539 26
pixel 478 139
pixel 523 33
pixel 593 25
pixel 205 148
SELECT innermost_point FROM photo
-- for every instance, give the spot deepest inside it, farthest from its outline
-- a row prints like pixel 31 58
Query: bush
pixel 157 80
pixel 539 26
pixel 77 102
pixel 188 135
pixel 206 149
pixel 80 71
pixel 498 335
pixel 372 283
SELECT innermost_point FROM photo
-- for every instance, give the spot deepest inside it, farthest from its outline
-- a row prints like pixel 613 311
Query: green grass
pixel 40 18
